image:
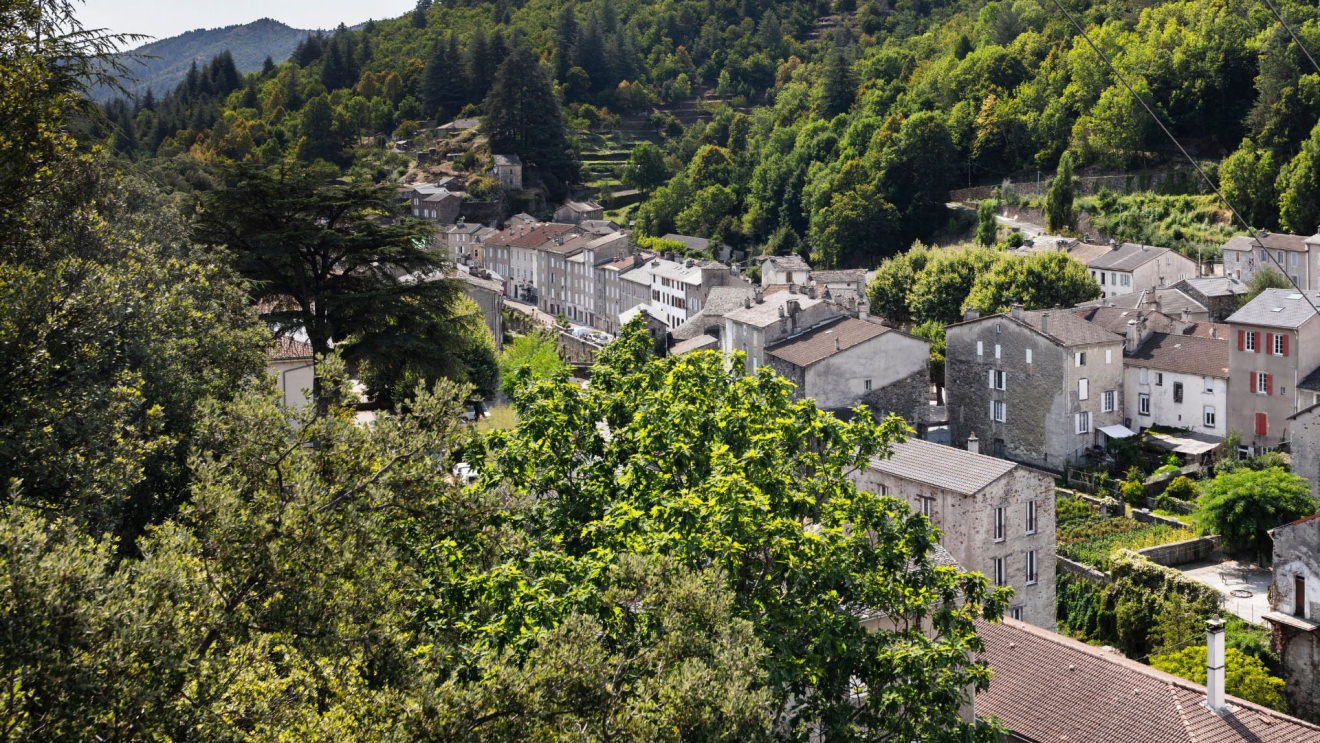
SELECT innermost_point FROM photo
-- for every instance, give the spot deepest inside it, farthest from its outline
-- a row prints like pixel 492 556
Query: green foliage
pixel 1067 510
pixel 1247 180
pixel 1299 188
pixel 1137 598
pixel 893 281
pixel 1244 505
pixel 987 229
pixel 1094 540
pixel 1059 212
pixel 523 117
pixel 1182 488
pixel 538 352
pixel 1037 281
pixel 646 169
pixel 1267 277
pixel 1244 676
pixel 933 331
pixel 688 459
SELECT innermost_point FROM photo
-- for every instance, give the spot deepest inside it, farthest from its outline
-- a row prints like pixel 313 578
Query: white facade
pixel 1165 398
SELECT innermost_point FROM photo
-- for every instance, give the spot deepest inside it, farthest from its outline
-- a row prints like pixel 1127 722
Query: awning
pixel 1190 443
pixel 1117 432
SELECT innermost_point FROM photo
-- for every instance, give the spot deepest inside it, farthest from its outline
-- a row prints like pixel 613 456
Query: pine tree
pixel 1059 213
pixel 523 117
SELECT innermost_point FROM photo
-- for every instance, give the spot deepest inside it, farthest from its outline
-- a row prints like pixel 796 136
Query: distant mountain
pixel 249 43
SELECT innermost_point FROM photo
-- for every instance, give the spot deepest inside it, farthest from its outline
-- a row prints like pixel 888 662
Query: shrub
pixel 1244 504
pixel 1072 509
pixel 1182 488
pixel 1245 676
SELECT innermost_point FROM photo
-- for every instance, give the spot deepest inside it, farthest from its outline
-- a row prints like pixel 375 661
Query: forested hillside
pixel 837 130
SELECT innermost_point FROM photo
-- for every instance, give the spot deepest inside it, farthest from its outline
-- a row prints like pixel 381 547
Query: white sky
pixel 165 18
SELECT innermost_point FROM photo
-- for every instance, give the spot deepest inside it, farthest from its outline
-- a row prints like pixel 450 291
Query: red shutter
pixel 1269 384
pixel 1269 342
pixel 1242 343
pixel 1261 427
pixel 1255 340
pixel 1285 345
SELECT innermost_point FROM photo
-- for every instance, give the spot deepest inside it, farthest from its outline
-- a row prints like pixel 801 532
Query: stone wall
pixel 1175 181
pixel 1079 570
pixel 909 397
pixel 577 350
pixel 1181 553
pixel 1146 517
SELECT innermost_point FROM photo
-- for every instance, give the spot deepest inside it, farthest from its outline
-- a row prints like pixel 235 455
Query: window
pixel 1028 355
pixel 999 570
pixel 1107 401
pixel 1031 517
pixel 1177 391
pixel 1015 613
pixel 999 524
pixel 997 410
pixel 1145 376
pixel 1083 389
pixel 1262 383
pixel 1159 379
pixel 1109 355
pixel 1031 567
pixel 1280 345
pixel 1083 422
pixel 867 384
pixel 1209 417
pixel 979 350
pixel 997 379
pixel 1250 341
pixel 1080 359
pixel 1209 387
pixel 927 506
pixel 1127 279
pixel 996 350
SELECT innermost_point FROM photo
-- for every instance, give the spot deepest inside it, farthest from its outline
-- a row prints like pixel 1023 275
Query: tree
pixel 916 169
pixel 1037 281
pixel 858 227
pixel 321 263
pixel 1059 214
pixel 645 169
pixel 688 459
pixel 537 351
pixel 838 87
pixel 1266 277
pixel 1245 504
pixel 945 282
pixel 987 228
pixel 893 281
pixel 1299 188
pixel 1247 178
pixel 1244 676
pixel 523 118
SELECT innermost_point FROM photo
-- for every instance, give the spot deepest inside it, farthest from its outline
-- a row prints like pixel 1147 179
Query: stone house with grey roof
pixel 1274 344
pixel 1294 256
pixel 1294 612
pixel 1179 381
pixel 767 319
pixel 1220 295
pixel 846 362
pixel 507 169
pixel 1035 387
pixel 784 269
pixel 1129 267
pixel 995 517
pixel 1170 301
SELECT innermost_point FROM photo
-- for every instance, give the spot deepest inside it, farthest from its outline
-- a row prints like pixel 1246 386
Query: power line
pixel 1284 23
pixel 1183 150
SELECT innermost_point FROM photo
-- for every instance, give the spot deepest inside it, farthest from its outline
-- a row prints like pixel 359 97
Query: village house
pixel 1179 381
pixel 574 212
pixel 841 286
pixel 1048 688
pixel 512 254
pixel 1294 614
pixel 995 517
pixel 507 169
pixel 846 362
pixel 463 242
pixel 292 364
pixel 1274 343
pixel 488 295
pixel 1220 295
pixel 437 202
pixel 1128 267
pixel 1293 256
pixel 709 321
pixel 784 270
pixel 1172 302
pixel 613 295
pixel 1038 387
pixel 585 294
pixel 675 290
pixel 765 320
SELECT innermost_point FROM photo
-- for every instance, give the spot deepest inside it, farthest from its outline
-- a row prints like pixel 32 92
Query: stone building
pixel 612 296
pixel 1220 295
pixel 995 517
pixel 1170 301
pixel 765 320
pixel 1295 612
pixel 293 365
pixel 1294 256
pixel 1274 343
pixel 784 269
pixel 1304 434
pixel 1035 387
pixel 575 212
pixel 489 297
pixel 507 169
pixel 512 253
pixel 1128 267
pixel 847 361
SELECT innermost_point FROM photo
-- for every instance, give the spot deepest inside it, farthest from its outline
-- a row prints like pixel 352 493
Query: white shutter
pixel 979 349
pixel 1028 355
pixel 992 410
pixel 991 378
pixel 996 350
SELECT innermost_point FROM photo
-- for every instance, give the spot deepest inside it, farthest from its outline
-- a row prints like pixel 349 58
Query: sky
pixel 163 19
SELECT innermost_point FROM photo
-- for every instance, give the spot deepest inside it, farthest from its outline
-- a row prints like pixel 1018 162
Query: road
pixel 1028 229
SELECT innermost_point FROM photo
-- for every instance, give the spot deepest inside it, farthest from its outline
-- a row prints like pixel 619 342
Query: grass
pixel 498 418
pixel 1093 540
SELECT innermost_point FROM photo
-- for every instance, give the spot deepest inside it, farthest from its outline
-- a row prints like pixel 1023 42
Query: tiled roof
pixel 582 206
pixel 1217 286
pixel 1066 328
pixel 1168 300
pixel 529 235
pixel 1183 354
pixel 698 343
pixel 766 312
pixel 719 302
pixel 1278 308
pixel 691 243
pixel 824 341
pixel 1126 257
pixel 1271 240
pixel 288 349
pixel 507 160
pixel 1047 687
pixel 847 276
pixel 1085 252
pixel 1311 382
pixel 787 263
pixel 942 466
pixel 1115 319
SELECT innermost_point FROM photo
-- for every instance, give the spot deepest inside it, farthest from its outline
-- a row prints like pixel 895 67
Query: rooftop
pixel 786 263
pixel 1271 240
pixel 1065 328
pixel 529 235
pixel 688 271
pixel 766 313
pixel 582 206
pixel 1170 301
pixel 1047 687
pixel 942 466
pixel 719 302
pixel 1217 286
pixel 1183 354
pixel 1115 319
pixel 824 341
pixel 1126 257
pixel 689 242
pixel 846 276
pixel 289 349
pixel 1277 308
pixel 1311 382
pixel 696 343
pixel 507 160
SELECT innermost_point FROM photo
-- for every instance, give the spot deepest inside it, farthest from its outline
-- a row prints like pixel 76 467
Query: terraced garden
pixel 1093 539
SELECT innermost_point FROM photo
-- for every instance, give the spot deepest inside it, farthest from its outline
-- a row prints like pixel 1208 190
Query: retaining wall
pixel 1084 572
pixel 1181 553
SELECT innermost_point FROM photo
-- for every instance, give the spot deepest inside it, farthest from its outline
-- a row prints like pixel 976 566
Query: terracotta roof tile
pixel 1184 354
pixel 824 341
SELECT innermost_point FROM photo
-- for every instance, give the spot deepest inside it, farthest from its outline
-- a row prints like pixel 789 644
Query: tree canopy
pixel 1244 504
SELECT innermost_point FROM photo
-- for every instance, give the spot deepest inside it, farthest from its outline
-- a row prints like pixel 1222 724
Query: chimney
pixel 759 296
pixel 792 288
pixel 747 303
pixel 1214 332
pixel 1017 311
pixel 792 307
pixel 781 311
pixel 971 313
pixel 1133 337
pixel 688 263
pixel 1113 245
pixel 836 344
pixel 1045 323
pixel 1214 666
pixel 1183 314
pixel 973 443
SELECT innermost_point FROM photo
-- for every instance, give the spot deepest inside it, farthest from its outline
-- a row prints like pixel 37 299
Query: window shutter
pixel 1255 337
pixel 1261 426
pixel 1285 345
pixel 1269 384
pixel 1242 343
pixel 991 378
pixel 1269 342
pixel 992 410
